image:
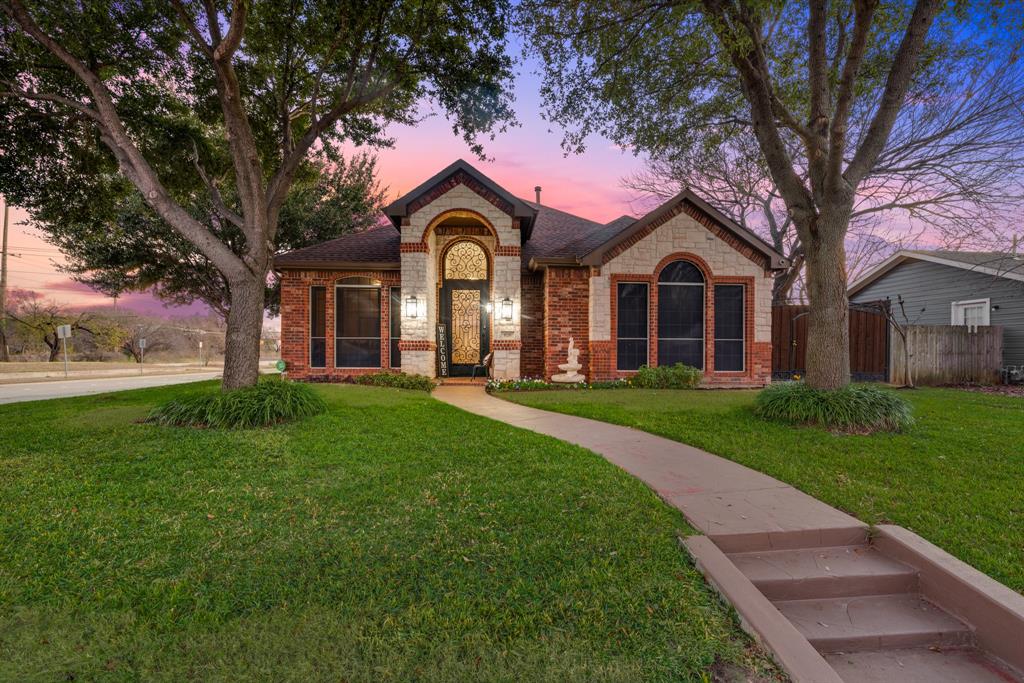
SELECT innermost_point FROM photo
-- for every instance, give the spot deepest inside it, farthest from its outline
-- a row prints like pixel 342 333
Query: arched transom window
pixel 465 260
pixel 681 315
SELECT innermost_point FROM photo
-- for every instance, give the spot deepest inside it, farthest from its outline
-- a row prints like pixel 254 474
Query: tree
pixel 821 88
pixel 136 250
pixel 953 171
pixel 220 104
pixel 41 318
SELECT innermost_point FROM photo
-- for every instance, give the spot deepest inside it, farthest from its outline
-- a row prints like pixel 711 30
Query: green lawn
pixel 956 478
pixel 393 539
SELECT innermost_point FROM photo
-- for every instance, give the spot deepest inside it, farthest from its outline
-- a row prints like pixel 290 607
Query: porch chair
pixel 485 365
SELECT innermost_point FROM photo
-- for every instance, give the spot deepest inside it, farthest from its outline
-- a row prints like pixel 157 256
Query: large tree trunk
pixel 828 323
pixel 245 326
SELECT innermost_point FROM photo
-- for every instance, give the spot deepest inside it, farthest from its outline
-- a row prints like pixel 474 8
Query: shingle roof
pixel 561 235
pixel 549 233
pixel 377 246
pixel 996 263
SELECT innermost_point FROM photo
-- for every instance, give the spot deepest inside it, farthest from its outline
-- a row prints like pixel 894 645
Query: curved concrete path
pixel 735 505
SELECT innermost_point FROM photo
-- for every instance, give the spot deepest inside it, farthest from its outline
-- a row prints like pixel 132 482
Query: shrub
pixel 528 384
pixel 854 408
pixel 271 401
pixel 396 380
pixel 676 376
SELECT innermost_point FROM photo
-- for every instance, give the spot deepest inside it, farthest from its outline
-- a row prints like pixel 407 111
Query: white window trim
pixel 958 306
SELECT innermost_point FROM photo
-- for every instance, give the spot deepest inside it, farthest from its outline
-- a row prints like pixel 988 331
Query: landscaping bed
pixel 392 538
pixel 955 477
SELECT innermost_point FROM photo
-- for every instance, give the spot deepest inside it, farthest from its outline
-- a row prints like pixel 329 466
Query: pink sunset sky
pixel 518 159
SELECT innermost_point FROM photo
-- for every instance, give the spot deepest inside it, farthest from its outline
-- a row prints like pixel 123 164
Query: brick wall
pixel 295 286
pixel 532 354
pixel 566 314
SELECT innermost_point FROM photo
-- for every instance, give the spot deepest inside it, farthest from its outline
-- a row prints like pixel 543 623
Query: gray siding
pixel 934 287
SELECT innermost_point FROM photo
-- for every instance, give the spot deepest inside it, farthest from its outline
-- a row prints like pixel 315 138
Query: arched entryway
pixel 464 297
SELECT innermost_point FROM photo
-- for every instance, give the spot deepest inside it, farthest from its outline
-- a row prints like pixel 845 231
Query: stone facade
pixel 550 302
pixel 683 237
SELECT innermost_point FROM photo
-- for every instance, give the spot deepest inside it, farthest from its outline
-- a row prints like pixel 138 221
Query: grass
pixel 956 477
pixel 393 538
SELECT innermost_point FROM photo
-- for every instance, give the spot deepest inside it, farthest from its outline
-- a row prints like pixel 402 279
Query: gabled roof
pixel 515 207
pixel 670 208
pixel 550 236
pixel 373 248
pixel 995 263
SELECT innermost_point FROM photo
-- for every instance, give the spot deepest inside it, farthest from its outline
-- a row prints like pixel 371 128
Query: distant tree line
pixel 107 333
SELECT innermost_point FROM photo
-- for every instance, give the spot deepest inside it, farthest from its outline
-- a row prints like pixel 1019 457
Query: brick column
pixel 566 314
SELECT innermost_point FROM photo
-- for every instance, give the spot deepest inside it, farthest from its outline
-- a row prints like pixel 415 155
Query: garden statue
pixel 569 374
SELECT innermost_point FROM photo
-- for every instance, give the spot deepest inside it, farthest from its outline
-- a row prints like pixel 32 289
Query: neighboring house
pixel 954 288
pixel 464 264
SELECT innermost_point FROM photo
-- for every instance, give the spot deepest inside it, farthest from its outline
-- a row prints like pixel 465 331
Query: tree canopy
pixel 830 92
pixel 219 104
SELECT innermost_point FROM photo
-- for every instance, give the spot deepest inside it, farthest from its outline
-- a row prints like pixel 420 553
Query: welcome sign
pixel 442 350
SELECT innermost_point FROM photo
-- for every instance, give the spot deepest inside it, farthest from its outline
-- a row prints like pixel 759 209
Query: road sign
pixel 142 343
pixel 63 331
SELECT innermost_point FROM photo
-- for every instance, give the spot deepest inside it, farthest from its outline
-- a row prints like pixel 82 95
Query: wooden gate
pixel 869 342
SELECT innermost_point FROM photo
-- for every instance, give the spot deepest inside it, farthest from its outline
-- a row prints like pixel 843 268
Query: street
pixel 37 391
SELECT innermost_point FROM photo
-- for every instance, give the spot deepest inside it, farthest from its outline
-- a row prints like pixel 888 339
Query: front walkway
pixel 731 503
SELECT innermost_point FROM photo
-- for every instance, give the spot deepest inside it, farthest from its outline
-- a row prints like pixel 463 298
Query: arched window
pixel 357 323
pixel 681 315
pixel 465 260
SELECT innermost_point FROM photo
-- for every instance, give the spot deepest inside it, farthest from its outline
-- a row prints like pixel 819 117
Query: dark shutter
pixel 318 327
pixel 631 325
pixel 395 326
pixel 729 327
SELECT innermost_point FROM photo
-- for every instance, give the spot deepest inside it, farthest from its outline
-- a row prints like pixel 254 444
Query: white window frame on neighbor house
pixel 958 309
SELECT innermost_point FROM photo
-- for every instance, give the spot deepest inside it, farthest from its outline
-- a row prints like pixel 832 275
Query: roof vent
pixel 537 190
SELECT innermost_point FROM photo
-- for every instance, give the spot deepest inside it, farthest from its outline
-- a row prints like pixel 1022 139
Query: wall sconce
pixel 411 307
pixel 506 309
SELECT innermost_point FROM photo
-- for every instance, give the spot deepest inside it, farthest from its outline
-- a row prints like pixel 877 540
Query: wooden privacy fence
pixel 944 354
pixel 869 342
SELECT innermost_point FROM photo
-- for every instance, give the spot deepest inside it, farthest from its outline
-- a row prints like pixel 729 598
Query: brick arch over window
pixel 460 213
pixel 709 289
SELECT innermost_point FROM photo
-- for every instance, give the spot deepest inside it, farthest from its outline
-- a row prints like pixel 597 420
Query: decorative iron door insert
pixel 464 297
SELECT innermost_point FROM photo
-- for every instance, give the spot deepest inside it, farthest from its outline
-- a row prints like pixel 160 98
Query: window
pixel 681 315
pixel 729 326
pixel 631 325
pixel 971 313
pixel 317 327
pixel 357 324
pixel 395 322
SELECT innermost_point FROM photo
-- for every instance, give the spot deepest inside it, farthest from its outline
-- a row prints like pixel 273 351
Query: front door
pixel 464 298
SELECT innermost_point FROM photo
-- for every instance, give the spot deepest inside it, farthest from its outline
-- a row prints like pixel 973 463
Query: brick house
pixel 464 268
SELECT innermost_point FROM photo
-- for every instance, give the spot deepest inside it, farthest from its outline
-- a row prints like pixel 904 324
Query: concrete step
pixel 921 665
pixel 874 622
pixel 808 573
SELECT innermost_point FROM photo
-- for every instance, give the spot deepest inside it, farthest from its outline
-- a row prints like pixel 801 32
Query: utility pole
pixel 4 357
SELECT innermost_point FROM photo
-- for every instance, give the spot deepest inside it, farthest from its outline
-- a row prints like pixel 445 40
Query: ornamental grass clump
pixel 856 408
pixel 270 402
